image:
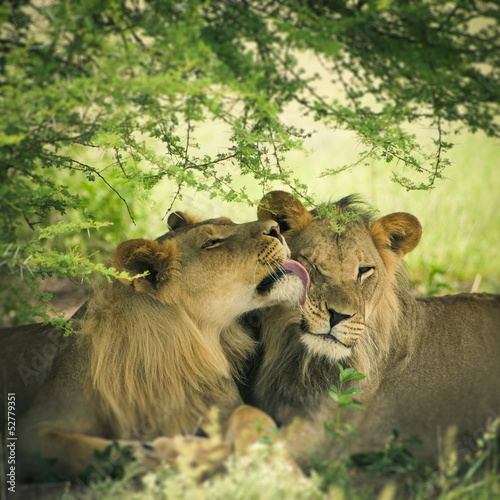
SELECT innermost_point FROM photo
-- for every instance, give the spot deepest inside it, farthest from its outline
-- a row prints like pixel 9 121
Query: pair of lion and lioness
pixel 155 353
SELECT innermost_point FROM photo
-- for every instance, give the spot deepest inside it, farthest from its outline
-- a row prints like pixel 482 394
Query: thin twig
pixel 96 172
pixel 176 195
pixel 440 147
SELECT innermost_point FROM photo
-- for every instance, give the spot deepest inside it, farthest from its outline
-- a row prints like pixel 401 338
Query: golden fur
pixel 430 363
pixel 155 353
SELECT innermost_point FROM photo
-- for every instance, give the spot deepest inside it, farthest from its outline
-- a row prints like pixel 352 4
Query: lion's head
pixel 352 304
pixel 214 269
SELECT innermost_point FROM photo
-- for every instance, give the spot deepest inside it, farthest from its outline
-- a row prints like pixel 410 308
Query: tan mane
pixel 161 370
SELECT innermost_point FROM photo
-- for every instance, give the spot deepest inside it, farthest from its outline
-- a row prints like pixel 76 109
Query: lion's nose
pixel 336 318
pixel 275 233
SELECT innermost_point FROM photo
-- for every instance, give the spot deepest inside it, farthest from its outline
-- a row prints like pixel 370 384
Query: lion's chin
pixel 287 289
pixel 328 337
pixel 325 345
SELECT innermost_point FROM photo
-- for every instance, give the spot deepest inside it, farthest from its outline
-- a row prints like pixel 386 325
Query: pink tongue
pixel 298 269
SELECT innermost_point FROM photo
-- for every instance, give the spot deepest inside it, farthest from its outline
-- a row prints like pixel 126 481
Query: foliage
pixel 45 470
pixel 395 473
pixel 36 259
pixel 116 92
pixel 254 476
pixel 345 400
pixel 109 463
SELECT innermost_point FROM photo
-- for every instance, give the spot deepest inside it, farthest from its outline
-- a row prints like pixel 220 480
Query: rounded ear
pixel 398 232
pixel 139 256
pixel 288 212
pixel 177 220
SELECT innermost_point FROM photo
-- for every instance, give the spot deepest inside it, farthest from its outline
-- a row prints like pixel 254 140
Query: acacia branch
pixel 85 168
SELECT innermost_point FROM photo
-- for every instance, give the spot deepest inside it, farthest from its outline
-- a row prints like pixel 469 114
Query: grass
pixel 389 475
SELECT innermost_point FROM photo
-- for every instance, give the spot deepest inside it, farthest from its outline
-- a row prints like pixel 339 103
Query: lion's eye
pixel 364 272
pixel 217 242
pixel 310 266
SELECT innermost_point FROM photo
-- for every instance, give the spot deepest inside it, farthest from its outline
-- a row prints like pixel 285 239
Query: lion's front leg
pixel 246 428
pixel 249 426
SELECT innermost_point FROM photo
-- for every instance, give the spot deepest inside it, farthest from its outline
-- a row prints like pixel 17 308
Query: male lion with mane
pixel 153 354
pixel 430 363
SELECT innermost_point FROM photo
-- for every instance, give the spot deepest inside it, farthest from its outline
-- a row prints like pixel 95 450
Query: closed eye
pixel 364 272
pixel 311 265
pixel 217 242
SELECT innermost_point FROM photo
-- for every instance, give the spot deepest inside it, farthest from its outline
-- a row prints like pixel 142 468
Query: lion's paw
pixel 203 455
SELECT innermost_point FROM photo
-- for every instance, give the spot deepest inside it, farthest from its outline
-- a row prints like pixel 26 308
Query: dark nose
pixel 336 318
pixel 275 233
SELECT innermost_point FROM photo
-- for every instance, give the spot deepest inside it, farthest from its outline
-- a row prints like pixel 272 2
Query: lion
pixel 431 364
pixel 160 346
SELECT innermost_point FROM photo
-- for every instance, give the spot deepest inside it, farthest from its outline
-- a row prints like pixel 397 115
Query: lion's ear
pixel 288 212
pixel 399 232
pixel 138 256
pixel 177 220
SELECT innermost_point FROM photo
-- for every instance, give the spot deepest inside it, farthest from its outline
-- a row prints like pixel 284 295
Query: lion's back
pixel 448 377
pixel 469 317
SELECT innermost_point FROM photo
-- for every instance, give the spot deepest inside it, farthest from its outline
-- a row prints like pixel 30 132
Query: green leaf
pixel 352 430
pixel 344 400
pixel 353 376
pixel 346 373
pixel 334 396
pixel 353 390
pixel 352 406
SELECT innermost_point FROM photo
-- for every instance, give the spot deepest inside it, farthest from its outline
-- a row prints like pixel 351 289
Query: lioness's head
pixel 215 269
pixel 352 300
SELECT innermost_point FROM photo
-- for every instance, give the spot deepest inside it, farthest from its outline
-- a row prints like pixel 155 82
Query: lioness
pixel 430 363
pixel 156 352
